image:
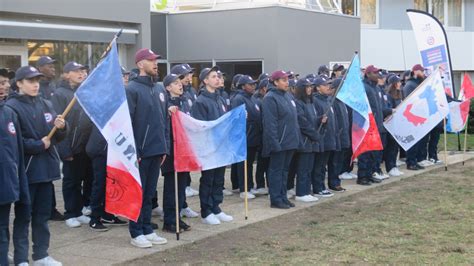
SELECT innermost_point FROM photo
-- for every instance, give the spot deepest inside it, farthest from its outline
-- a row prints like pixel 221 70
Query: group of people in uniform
pixel 298 133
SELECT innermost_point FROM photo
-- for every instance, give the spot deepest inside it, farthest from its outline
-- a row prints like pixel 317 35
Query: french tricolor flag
pixel 203 145
pixel 459 111
pixel 365 135
pixel 102 96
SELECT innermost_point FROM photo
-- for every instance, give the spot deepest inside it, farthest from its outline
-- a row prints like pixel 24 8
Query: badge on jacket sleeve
pixel 162 97
pixel 48 117
pixel 11 128
pixel 293 102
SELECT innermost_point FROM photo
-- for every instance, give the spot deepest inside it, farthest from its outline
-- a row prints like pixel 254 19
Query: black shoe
pixel 154 226
pixel 279 205
pixel 114 221
pixel 289 203
pixel 96 225
pixel 363 181
pixel 56 216
pixel 171 228
pixel 184 226
pixel 337 189
pixel 413 167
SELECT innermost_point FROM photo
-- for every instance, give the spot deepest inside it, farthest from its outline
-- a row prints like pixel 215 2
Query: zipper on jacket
pixel 73 137
pixel 56 152
pixel 283 135
pixel 146 134
pixel 29 162
pixel 305 139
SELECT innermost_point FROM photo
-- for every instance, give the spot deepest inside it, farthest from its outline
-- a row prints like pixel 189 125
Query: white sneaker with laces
pixel 425 163
pixel 261 191
pixel 10 259
pixel 86 210
pixel 72 223
pixel 306 198
pixel 158 211
pixel 83 219
pixel 188 191
pixel 189 213
pixel 22 264
pixel 377 176
pixel 195 192
pixel 224 217
pixel 249 195
pixel 354 176
pixel 394 172
pixel 345 176
pixel 435 161
pixel 253 191
pixel 227 192
pixel 211 219
pixel 48 261
pixel 141 242
pixel 155 239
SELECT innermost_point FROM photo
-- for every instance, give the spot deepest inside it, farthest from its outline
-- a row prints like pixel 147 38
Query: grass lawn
pixel 426 219
pixel 452 140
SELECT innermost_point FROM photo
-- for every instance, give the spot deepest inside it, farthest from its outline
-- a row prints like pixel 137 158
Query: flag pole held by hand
pixel 246 200
pixel 74 100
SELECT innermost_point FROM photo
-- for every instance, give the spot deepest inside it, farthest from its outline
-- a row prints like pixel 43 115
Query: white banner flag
pixel 418 114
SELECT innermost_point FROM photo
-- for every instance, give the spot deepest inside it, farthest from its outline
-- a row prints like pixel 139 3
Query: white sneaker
pixel 83 219
pixel 394 172
pixel 155 239
pixel 435 161
pixel 249 195
pixel 254 191
pixel 195 192
pixel 72 223
pixel 425 163
pixel 86 210
pixel 10 259
pixel 400 172
pixel 48 261
pixel 400 163
pixel 354 176
pixel 22 264
pixel 377 176
pixel 261 191
pixel 189 213
pixel 306 198
pixel 227 192
pixel 224 217
pixel 211 219
pixel 158 211
pixel 345 176
pixel 141 242
pixel 292 192
pixel 188 191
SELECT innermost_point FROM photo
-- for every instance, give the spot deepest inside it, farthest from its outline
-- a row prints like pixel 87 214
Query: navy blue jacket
pixel 410 86
pixel 47 88
pixel 184 105
pixel 79 123
pixel 372 92
pixel 208 106
pixel 281 131
pixel 190 93
pixel 254 117
pixel 328 131
pixel 96 145
pixel 308 122
pixel 13 180
pixel 148 105
pixel 343 127
pixel 227 99
pixel 36 116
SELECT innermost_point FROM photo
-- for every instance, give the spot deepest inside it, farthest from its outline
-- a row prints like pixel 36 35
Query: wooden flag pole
pixel 74 100
pixel 246 200
pixel 445 147
pixel 176 203
pixel 465 140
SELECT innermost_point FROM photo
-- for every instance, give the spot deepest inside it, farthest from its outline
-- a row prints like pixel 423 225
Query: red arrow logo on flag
pixel 414 119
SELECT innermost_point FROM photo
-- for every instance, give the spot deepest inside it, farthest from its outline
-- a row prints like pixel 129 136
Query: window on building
pixel 448 12
pixel 366 9
pixel 251 68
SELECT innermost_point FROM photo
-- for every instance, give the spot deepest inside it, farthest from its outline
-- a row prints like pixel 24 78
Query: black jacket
pixel 208 106
pixel 36 116
pixel 375 103
pixel 308 123
pixel 254 117
pixel 148 105
pixel 13 180
pixel 97 145
pixel 80 125
pixel 281 131
pixel 343 127
pixel 328 130
pixel 411 85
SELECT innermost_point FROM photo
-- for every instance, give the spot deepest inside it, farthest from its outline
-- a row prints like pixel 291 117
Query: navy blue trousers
pixel 211 185
pixel 278 175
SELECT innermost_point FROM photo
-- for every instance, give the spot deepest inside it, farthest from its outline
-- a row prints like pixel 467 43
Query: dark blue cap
pixel 323 69
pixel 393 79
pixel 44 60
pixel 5 72
pixel 311 76
pixel 124 71
pixel 246 79
pixel 337 67
pixel 321 80
pixel 27 72
pixel 292 82
pixel 263 83
pixel 170 79
pixel 205 72
pixel 72 66
pixel 263 76
pixel 235 79
pixel 304 82
pixel 181 69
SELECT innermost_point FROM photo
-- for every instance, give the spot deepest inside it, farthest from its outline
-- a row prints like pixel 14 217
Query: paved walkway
pixel 81 246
